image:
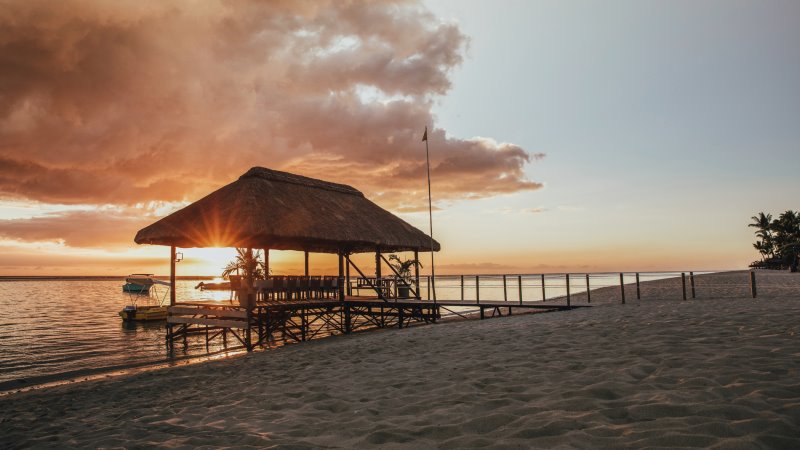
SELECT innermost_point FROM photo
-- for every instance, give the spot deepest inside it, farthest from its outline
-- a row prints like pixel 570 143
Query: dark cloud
pixel 129 102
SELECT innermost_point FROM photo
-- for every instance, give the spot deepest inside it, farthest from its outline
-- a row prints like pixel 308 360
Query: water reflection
pixel 57 326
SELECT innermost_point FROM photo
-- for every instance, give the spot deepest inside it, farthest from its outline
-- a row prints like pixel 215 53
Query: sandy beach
pixel 710 372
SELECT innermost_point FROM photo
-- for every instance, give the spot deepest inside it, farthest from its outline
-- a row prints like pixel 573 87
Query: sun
pixel 205 261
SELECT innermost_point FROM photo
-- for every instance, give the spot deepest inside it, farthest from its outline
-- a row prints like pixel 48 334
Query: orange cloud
pixel 89 229
pixel 123 103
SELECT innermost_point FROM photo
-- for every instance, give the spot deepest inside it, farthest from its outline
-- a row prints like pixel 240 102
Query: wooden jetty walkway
pixel 303 320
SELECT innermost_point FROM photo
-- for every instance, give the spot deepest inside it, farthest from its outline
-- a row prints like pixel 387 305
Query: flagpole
pixel 430 211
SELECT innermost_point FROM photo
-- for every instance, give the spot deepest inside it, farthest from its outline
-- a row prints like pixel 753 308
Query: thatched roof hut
pixel 267 208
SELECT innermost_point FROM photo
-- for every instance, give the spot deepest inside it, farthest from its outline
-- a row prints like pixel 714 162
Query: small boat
pixel 138 283
pixel 140 313
pixel 140 288
pixel 223 286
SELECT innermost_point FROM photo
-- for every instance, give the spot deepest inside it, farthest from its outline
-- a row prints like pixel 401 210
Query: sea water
pixel 53 329
pixel 57 328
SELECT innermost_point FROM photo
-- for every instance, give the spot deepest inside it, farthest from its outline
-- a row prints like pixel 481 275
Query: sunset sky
pixel 565 135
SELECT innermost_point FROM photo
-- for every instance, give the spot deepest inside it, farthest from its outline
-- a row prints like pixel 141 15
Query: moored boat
pixel 222 286
pixel 140 288
pixel 138 283
pixel 139 313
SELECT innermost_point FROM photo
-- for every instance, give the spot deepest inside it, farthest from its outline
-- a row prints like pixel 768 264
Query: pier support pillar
pixel 172 276
pixel 378 263
pixel 340 290
pixel 416 274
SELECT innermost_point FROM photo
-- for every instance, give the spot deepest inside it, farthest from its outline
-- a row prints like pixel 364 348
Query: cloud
pixel 129 102
pixel 509 210
pixel 90 229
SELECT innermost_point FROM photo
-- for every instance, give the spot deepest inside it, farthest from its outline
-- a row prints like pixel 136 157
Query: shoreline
pixel 664 373
pixel 601 295
pixel 43 382
pixel 705 372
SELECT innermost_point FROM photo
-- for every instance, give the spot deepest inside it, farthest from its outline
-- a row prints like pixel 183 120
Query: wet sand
pixel 652 373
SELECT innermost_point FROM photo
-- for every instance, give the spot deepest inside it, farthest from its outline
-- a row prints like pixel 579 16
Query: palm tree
pixel 764 223
pixel 759 245
pixel 784 229
pixel 761 221
pixel 403 267
pixel 249 264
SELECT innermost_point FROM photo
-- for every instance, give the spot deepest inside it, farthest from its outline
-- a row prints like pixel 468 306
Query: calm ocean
pixel 63 328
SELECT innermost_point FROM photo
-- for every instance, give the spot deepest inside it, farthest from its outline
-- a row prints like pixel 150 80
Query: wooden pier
pixel 299 321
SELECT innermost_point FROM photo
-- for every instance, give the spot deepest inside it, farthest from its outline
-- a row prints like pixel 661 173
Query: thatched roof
pixel 266 208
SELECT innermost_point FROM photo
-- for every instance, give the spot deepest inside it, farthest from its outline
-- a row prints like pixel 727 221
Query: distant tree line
pixel 778 240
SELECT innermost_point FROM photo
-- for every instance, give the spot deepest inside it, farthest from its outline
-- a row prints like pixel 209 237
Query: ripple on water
pixel 50 327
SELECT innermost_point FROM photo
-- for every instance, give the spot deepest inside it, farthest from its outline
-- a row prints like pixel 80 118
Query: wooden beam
pixel 416 273
pixel 414 291
pixel 222 313
pixel 209 322
pixel 347 278
pixel 341 276
pixel 378 263
pixel 172 275
pixel 371 284
pixel 306 256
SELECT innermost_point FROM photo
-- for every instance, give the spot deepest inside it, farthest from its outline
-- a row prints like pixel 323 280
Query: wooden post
pixel 429 287
pixel 266 262
pixel 567 278
pixel 378 263
pixel 753 290
pixel 400 316
pixel 588 290
pixel 544 297
pixel 622 287
pixel 462 288
pixel 306 258
pixel 248 337
pixel 416 274
pixel 172 276
pixel 683 284
pixel 347 277
pixel 478 290
pixel 505 294
pixel 519 285
pixel 341 277
pixel 303 324
pixel 691 282
pixel 638 290
pixel 250 258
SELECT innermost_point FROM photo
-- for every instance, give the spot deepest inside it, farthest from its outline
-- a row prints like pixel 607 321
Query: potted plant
pixel 403 278
pixel 249 265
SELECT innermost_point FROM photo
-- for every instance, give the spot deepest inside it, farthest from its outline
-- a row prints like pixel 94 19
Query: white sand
pixel 661 373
